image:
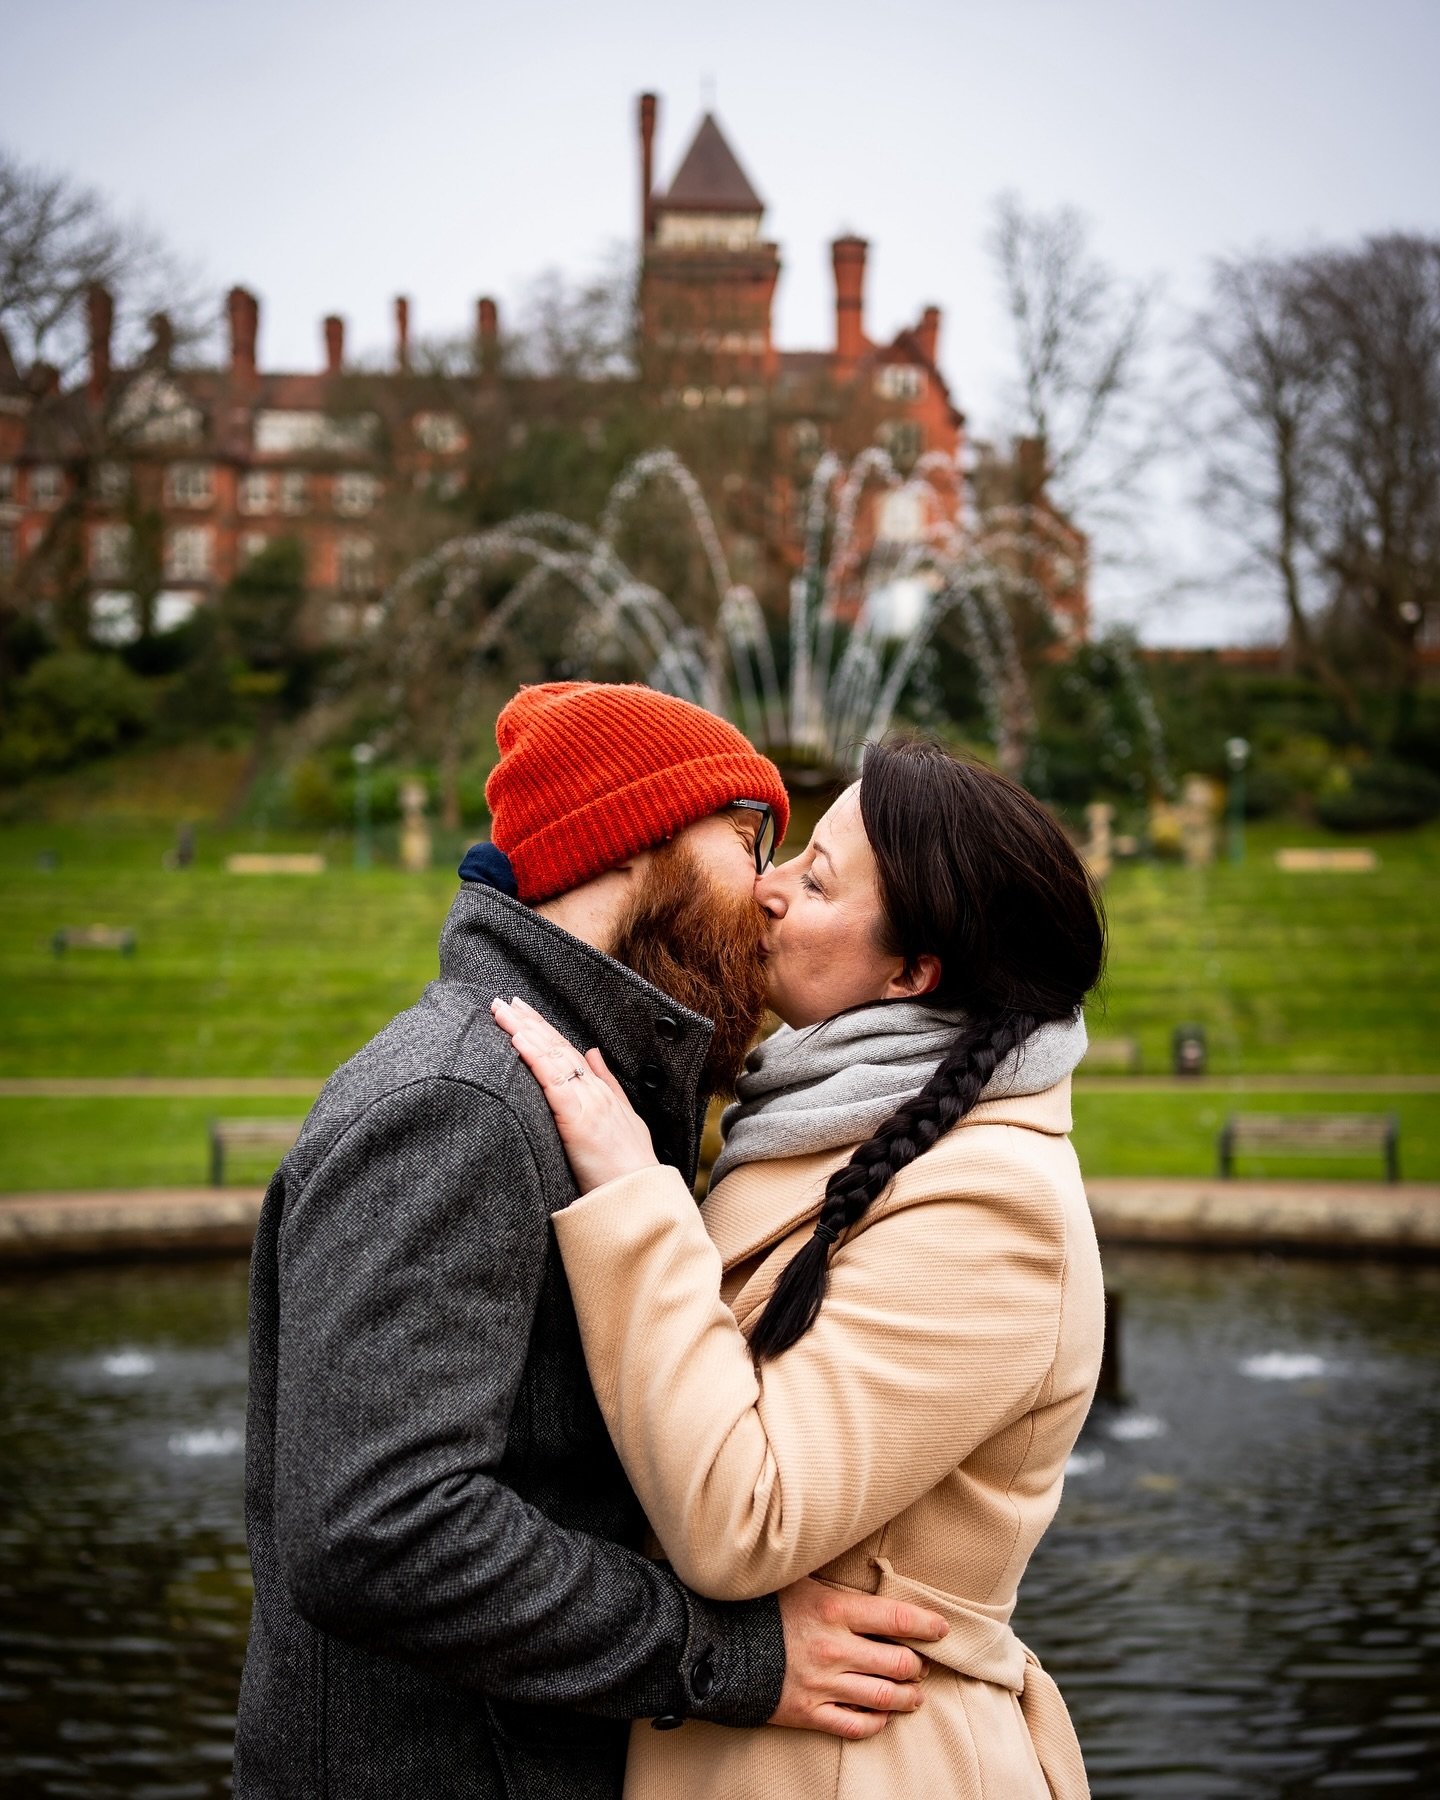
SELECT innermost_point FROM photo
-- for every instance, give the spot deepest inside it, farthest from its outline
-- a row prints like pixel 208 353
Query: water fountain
pixel 864 607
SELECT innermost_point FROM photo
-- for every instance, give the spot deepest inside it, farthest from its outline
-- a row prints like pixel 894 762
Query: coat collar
pixel 763 1202
pixel 655 1047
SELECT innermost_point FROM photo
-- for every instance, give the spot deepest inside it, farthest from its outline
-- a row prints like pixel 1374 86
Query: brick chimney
pixel 100 313
pixel 648 109
pixel 847 256
pixel 244 311
pixel 334 344
pixel 927 333
pixel 1031 456
pixel 162 340
pixel 402 333
pixel 487 333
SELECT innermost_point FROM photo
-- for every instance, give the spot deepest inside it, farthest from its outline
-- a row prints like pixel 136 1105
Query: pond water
pixel 1240 1597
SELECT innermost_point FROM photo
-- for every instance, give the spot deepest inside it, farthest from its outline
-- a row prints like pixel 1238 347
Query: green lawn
pixel 273 975
pixel 232 975
pixel 1316 973
pixel 1174 1134
pixel 122 1143
pixel 97 1143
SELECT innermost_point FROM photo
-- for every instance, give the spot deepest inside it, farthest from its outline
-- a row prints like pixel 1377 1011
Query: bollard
pixel 1108 1387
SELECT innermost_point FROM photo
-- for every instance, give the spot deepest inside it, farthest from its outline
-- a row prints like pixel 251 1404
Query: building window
pixel 173 609
pixel 7 550
pixel 187 553
pixel 252 544
pixel 303 433
pixel 257 491
pixel 114 619
pixel 7 483
pixel 356 564
pixel 110 552
pixel 441 433
pixel 112 483
pixel 804 438
pixel 47 485
pixel 190 484
pixel 901 437
pixel 294 491
pixel 899 381
pixel 355 493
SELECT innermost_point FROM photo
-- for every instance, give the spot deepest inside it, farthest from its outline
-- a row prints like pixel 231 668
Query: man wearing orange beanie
pixel 450 1595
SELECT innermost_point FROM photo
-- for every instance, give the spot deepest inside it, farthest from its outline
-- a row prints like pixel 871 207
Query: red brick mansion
pixel 219 461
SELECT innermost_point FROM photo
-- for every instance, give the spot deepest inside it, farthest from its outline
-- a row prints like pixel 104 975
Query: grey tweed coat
pixel 450 1599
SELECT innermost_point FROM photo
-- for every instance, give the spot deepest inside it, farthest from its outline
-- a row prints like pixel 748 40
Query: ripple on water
pixel 206 1443
pixel 1286 1365
pixel 1134 1427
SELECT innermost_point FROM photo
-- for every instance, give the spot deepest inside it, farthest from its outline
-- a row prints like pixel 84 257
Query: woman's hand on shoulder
pixel 603 1135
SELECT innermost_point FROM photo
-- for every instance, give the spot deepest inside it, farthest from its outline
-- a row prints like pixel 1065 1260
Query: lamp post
pixel 362 755
pixel 1237 754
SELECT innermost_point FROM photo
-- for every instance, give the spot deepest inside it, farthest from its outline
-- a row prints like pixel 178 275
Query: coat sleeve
pixel 939 1326
pixel 409 1265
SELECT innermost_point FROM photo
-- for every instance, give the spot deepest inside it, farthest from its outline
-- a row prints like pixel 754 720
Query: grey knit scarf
pixel 835 1083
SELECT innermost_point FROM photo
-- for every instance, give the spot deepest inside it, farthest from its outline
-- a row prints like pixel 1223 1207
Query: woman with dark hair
pixel 871 1355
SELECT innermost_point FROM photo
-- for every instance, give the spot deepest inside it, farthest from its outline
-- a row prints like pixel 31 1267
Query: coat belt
pixel 984 1648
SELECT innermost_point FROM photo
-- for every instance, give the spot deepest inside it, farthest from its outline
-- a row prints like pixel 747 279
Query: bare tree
pixel 1259 443
pixel 1373 317
pixel 1080 339
pixel 1322 442
pixel 582 330
pixel 57 240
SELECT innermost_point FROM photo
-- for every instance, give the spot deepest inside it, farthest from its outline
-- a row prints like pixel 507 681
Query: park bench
pixel 247 1134
pixel 93 937
pixel 1311 1134
pixel 1121 1054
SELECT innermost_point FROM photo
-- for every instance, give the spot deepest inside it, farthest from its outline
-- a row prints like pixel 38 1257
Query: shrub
pixel 1382 796
pixel 71 706
pixel 315 796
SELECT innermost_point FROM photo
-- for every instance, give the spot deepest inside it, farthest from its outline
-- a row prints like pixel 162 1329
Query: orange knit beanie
pixel 591 773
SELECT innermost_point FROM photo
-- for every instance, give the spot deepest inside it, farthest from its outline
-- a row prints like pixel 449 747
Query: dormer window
pixel 707 231
pixel 899 381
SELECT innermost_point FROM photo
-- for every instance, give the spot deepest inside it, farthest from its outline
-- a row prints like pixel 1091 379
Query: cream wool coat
pixel 912 1443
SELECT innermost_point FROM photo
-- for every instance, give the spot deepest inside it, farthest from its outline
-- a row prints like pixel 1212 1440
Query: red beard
pixel 686 936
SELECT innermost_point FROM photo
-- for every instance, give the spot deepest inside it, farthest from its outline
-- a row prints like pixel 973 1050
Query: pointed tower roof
pixel 710 178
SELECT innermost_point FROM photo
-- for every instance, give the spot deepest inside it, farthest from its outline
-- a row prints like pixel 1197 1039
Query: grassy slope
pixel 238 976
pixel 1305 973
pixel 233 975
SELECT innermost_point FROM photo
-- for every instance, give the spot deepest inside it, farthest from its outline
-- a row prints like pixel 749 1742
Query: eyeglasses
pixel 765 835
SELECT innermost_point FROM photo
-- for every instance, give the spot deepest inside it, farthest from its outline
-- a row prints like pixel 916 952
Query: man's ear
pixel 923 977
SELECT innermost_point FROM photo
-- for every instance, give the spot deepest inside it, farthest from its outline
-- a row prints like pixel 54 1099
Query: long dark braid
pixel 916 1127
pixel 971 869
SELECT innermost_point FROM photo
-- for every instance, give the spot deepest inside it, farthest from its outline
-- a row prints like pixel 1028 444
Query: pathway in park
pixel 171 1087
pixel 1358 1217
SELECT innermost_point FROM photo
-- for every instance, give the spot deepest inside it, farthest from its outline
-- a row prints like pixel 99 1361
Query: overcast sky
pixel 331 156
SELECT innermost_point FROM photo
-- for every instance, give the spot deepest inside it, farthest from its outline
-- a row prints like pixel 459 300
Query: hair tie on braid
pixel 827 1234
